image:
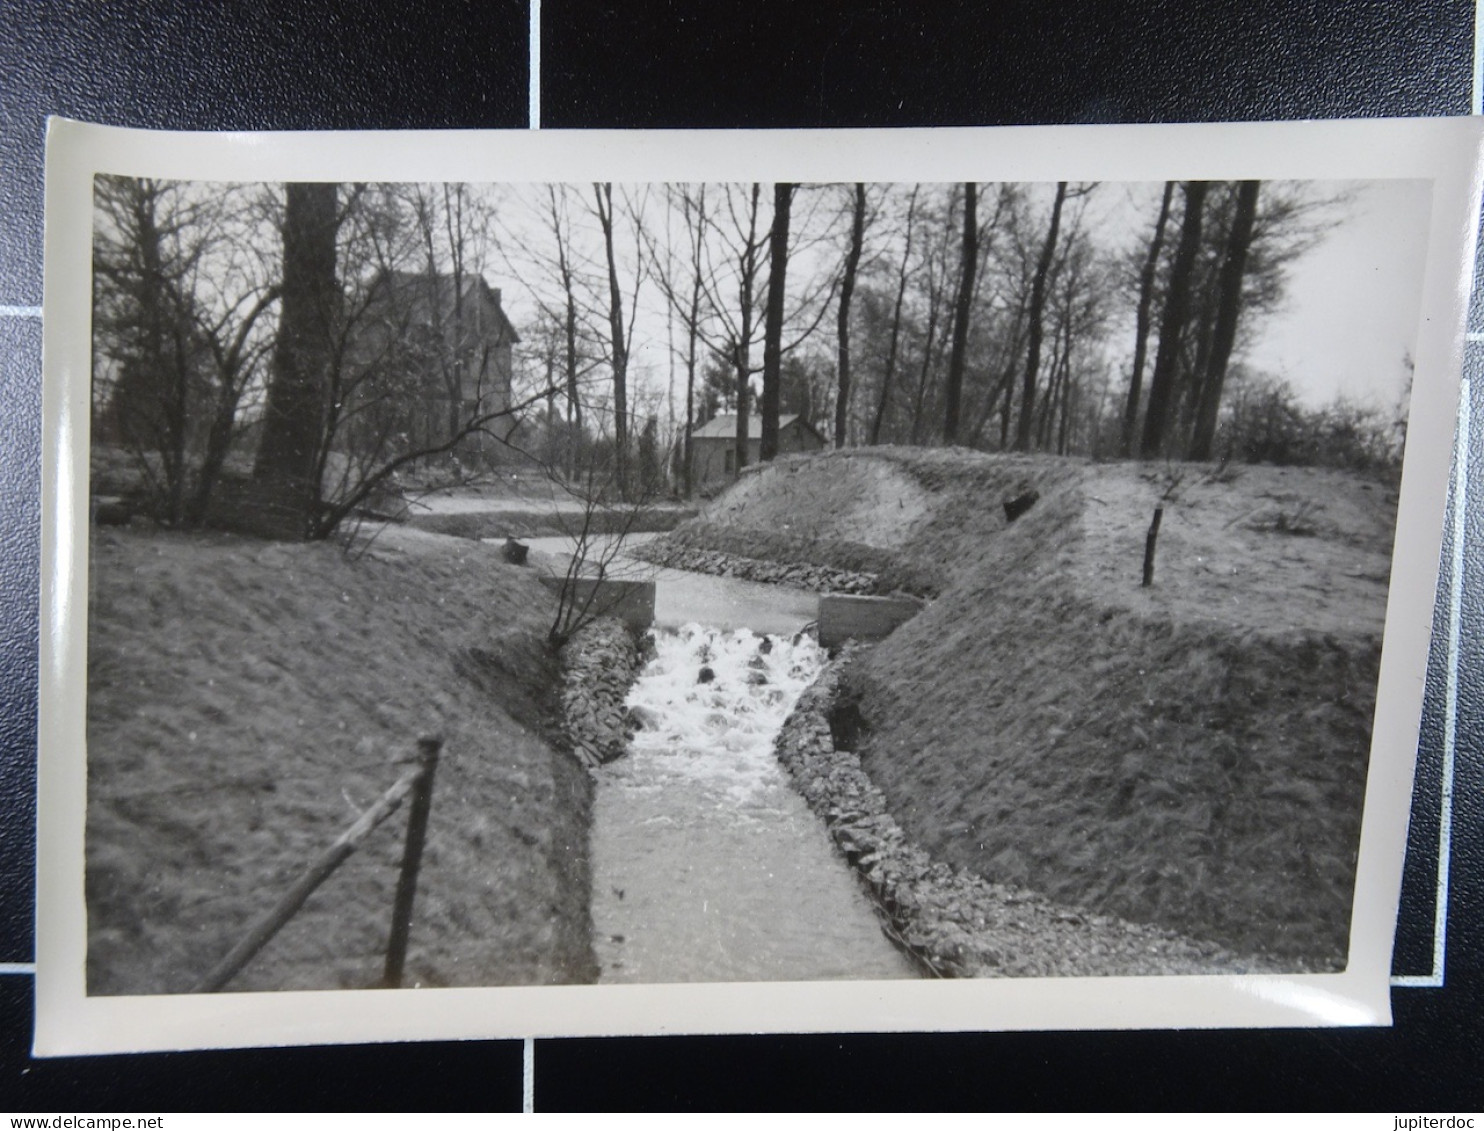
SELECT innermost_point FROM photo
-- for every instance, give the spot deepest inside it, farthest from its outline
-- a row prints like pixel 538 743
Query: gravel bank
pixel 800 575
pixel 598 667
pixel 954 923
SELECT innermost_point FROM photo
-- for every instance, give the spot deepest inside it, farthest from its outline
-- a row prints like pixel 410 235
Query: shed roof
pixel 724 427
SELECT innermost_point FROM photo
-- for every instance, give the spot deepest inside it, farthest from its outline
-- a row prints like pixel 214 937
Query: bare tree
pixel 903 274
pixel 1172 325
pixel 740 332
pixel 1142 319
pixel 684 292
pixel 293 420
pixel 773 325
pixel 180 299
pixel 597 536
pixel 935 279
pixel 1036 327
pixel 563 277
pixel 847 291
pixel 968 263
pixel 618 345
pixel 1229 305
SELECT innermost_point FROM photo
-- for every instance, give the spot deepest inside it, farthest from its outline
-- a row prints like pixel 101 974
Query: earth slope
pixel 1192 754
pixel 247 700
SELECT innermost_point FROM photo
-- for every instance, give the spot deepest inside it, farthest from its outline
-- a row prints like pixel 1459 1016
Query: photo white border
pixel 1445 151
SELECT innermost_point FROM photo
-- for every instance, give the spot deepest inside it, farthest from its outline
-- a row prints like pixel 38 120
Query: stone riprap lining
pixel 599 664
pixel 955 923
pixel 800 575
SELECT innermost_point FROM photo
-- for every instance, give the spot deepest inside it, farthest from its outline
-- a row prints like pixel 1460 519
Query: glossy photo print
pixel 516 585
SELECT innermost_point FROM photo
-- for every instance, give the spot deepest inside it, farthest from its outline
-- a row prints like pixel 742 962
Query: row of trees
pixel 1007 316
pixel 294 348
pixel 319 339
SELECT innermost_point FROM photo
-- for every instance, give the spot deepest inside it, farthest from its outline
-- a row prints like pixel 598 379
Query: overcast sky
pixel 1355 300
pixel 1348 320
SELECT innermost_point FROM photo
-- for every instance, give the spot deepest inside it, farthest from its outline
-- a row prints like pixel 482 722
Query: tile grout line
pixel 528 1076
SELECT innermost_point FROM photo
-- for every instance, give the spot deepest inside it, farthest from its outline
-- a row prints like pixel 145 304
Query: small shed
pixel 713 446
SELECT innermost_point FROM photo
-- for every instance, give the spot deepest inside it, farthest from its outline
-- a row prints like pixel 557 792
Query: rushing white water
pixel 707 865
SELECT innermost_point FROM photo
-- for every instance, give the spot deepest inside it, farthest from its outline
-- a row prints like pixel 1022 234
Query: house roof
pixel 724 427
pixel 422 288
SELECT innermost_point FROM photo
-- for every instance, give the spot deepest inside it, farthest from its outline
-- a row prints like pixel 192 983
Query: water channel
pixel 707 865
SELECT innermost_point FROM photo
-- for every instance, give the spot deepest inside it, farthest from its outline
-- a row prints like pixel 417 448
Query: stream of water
pixel 707 865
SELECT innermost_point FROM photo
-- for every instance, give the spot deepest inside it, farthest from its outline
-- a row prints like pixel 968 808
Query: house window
pixel 731 460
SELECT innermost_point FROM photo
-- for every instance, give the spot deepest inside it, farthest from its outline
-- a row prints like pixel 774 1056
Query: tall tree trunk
pixel 618 344
pixel 1005 382
pixel 293 420
pixel 575 433
pixel 742 348
pixel 1037 312
pixel 783 195
pixel 692 332
pixel 1172 325
pixel 847 291
pixel 1233 272
pixel 969 260
pixel 230 365
pixel 929 348
pixel 896 324
pixel 1141 323
pixel 574 403
pixel 1068 387
pixel 1199 332
pixel 161 408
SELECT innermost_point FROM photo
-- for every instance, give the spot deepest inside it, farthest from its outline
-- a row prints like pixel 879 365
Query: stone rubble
pixel 599 664
pixel 800 575
pixel 954 923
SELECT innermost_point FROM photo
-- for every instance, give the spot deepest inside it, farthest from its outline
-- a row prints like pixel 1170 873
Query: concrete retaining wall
pixel 844 617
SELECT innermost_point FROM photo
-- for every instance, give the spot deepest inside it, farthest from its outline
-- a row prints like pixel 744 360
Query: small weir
pixel 707 865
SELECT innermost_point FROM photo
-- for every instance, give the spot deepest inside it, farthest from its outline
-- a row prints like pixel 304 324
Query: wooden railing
pixel 418 782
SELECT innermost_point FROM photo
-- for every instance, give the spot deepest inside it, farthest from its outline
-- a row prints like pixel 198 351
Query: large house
pixel 713 446
pixel 432 353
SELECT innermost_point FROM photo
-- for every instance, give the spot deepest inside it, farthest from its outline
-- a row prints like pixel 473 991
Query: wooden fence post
pixel 1149 538
pixel 417 827
pixel 304 886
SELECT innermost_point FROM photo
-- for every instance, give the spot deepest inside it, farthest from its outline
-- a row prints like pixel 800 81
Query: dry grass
pixel 247 699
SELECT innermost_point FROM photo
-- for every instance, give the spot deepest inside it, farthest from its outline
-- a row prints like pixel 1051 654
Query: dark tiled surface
pixel 773 63
pixel 20 510
pixel 1357 1069
pixel 268 65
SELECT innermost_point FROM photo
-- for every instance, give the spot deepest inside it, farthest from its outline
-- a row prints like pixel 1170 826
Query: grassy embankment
pixel 247 700
pixel 1192 755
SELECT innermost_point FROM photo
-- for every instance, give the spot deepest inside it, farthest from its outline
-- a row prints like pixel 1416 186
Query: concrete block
pixel 844 617
pixel 630 601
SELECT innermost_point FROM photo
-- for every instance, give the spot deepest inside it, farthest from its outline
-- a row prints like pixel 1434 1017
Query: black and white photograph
pixel 970 592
